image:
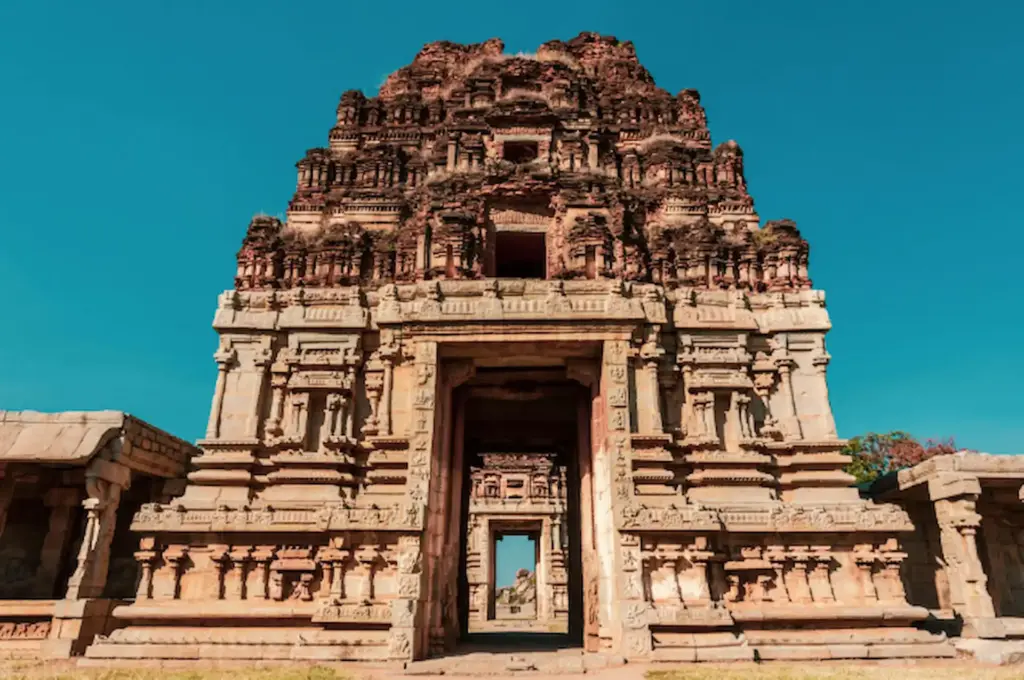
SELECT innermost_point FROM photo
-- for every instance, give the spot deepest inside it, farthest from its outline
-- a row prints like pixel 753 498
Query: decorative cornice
pixel 774 518
pixel 154 517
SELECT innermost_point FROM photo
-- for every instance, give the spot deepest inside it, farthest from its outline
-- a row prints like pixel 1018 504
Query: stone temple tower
pixel 521 295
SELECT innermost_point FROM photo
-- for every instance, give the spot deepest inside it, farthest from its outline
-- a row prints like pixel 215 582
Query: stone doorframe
pixel 605 422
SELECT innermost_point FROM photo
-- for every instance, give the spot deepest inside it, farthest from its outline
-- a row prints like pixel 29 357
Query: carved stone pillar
pixel 61 502
pixel 954 498
pixel 146 557
pixel 224 358
pixel 104 482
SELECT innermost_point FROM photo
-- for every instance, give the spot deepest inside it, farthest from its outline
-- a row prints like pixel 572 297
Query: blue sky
pixel 138 138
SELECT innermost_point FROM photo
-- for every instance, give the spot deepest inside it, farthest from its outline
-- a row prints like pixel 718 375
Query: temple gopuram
pixel 517 295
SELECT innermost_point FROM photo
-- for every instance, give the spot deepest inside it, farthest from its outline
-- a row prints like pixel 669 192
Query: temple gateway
pixel 513 295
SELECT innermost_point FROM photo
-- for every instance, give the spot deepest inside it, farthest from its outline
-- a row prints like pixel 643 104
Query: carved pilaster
pixel 278 384
pixel 820 576
pixel 146 556
pixel 368 558
pixel 261 558
pixel 235 579
pixel 168 586
pixel 260 361
pixel 648 393
pixel 224 357
pixel 789 419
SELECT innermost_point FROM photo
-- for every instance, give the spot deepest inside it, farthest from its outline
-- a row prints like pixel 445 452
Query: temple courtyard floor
pixel 925 670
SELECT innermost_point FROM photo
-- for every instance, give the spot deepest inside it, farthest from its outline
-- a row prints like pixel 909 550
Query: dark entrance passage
pixel 522 447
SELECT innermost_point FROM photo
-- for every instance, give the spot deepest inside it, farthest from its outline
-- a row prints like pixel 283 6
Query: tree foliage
pixel 874 454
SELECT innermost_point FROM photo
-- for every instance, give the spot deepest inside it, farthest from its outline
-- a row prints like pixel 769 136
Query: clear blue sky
pixel 511 554
pixel 138 138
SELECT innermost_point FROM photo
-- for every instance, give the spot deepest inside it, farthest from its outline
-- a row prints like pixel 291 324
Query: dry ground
pixel 808 671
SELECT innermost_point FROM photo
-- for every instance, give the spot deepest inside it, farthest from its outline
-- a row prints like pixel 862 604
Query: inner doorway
pixel 522 441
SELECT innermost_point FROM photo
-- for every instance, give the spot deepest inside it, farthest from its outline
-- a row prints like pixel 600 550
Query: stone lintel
pixel 951 485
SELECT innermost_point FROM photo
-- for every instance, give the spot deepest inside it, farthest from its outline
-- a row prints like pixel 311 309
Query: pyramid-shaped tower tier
pixel 521 295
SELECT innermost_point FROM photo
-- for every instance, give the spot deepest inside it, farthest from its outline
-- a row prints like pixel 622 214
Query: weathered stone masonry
pixel 544 258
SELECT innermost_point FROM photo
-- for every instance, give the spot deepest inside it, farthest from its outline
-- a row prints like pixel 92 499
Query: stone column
pixel 61 502
pixel 954 497
pixel 224 358
pixel 104 482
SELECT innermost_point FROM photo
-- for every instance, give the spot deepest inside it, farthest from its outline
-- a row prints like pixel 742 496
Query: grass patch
pixel 933 670
pixel 47 672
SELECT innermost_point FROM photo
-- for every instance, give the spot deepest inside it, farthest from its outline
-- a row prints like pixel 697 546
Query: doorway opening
pixel 516 559
pixel 521 567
